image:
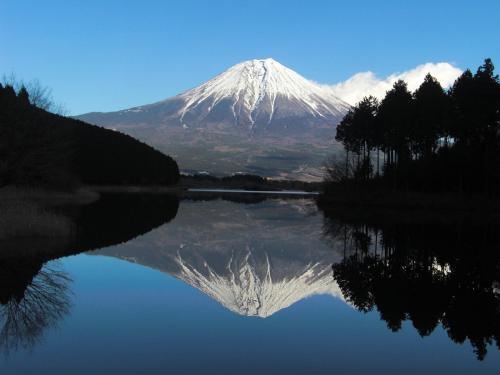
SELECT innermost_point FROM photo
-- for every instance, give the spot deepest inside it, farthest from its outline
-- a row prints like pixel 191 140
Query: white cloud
pixel 367 83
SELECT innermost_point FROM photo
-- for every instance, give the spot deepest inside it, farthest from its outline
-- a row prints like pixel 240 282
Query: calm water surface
pixel 226 287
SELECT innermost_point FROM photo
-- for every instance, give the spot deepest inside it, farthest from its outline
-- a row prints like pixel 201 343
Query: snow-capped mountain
pixel 252 95
pixel 260 93
pixel 253 111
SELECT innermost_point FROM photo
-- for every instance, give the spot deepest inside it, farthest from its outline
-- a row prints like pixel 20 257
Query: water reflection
pixel 31 300
pixel 255 259
pixel 434 271
pixel 118 218
pixel 35 296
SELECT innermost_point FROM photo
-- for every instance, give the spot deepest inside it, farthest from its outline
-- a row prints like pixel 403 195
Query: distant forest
pixel 39 148
pixel 431 140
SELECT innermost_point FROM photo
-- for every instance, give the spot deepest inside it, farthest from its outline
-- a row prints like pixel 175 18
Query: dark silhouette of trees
pixel 431 140
pixel 32 299
pixel 357 132
pixel 438 271
pixel 44 149
pixel 30 152
pixel 39 95
pixel 431 106
pixel 35 294
pixel 395 116
pixel 124 217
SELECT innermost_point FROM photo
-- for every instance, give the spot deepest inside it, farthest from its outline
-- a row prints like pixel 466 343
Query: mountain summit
pixel 258 93
pixel 252 94
pixel 235 122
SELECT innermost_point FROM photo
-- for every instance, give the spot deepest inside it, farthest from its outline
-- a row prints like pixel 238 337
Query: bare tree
pixel 39 95
pixel 338 167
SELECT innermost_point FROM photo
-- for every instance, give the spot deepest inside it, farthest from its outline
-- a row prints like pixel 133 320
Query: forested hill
pixel 39 148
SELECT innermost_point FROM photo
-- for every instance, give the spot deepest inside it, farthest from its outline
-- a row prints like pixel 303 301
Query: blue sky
pixel 108 55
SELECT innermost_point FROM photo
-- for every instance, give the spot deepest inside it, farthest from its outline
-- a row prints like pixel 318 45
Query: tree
pixel 396 113
pixel 431 140
pixel 487 105
pixel 476 123
pixel 365 121
pixel 462 100
pixel 431 106
pixel 23 96
pixel 39 95
pixel 42 149
pixel 356 132
pixel 346 136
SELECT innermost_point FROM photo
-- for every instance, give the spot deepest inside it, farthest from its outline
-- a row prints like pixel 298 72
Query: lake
pixel 250 285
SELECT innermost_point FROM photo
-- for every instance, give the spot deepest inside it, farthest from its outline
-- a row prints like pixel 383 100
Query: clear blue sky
pixel 109 54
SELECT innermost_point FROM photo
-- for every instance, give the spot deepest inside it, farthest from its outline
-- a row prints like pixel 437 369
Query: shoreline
pixel 409 202
pixel 48 197
pixel 376 200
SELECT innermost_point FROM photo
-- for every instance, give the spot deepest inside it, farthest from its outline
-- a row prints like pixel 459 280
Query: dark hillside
pixel 39 148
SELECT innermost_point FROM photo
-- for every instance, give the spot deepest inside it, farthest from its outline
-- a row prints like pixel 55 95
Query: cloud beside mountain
pixel 363 84
pixel 257 117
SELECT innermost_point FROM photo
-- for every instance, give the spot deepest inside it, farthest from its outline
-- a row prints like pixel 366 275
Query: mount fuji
pixel 256 117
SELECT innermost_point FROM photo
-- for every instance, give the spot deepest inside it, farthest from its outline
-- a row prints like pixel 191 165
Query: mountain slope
pixel 260 93
pixel 256 109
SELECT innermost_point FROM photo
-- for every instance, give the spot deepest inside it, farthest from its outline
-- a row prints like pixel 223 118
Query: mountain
pixel 254 259
pixel 257 117
pixel 260 95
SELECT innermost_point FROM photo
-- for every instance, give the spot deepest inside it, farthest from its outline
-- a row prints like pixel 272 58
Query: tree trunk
pixel 378 162
pixel 347 164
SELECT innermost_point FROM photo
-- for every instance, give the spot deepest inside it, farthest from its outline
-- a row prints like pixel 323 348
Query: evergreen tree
pixel 23 96
pixel 431 106
pixel 431 140
pixel 396 114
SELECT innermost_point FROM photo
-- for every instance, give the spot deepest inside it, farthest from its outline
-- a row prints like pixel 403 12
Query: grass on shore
pixel 28 219
pixel 47 197
pixel 26 212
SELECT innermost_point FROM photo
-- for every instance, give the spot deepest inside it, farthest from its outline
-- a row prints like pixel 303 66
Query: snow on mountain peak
pixel 257 87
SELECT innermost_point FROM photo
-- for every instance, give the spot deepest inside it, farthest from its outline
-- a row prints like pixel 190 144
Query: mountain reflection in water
pixel 256 257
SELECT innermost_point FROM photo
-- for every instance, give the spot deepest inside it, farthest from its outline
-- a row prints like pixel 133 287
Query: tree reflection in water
pixel 433 272
pixel 31 305
pixel 34 294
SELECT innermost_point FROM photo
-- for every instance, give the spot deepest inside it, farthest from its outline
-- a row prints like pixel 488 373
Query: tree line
pixel 431 140
pixel 40 148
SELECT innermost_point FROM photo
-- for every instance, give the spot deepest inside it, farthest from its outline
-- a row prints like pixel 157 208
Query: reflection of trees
pixel 124 217
pixel 430 273
pixel 34 297
pixel 31 304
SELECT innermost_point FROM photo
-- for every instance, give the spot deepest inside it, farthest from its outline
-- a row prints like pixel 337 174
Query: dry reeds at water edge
pixel 26 219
